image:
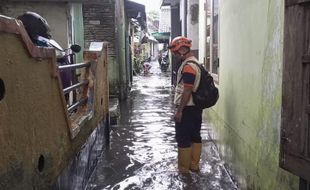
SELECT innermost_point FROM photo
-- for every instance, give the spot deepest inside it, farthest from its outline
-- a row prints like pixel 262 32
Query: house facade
pixel 82 22
pixel 64 17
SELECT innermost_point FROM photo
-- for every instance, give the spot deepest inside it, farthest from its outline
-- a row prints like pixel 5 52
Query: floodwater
pixel 142 152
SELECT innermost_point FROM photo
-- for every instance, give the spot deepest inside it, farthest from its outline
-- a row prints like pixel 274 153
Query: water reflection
pixel 142 153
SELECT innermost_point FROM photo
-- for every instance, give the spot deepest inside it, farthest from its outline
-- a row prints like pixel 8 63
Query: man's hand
pixel 178 116
pixel 184 99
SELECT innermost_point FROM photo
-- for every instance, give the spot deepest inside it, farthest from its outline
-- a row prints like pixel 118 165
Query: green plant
pixel 137 65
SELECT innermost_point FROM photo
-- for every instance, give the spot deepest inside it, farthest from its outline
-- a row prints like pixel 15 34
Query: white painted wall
pixel 183 13
pixel 164 21
pixel 193 25
pixel 202 30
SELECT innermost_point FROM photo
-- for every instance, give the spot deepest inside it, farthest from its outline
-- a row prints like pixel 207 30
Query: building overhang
pixel 136 11
pixel 162 37
pixel 148 38
pixel 169 2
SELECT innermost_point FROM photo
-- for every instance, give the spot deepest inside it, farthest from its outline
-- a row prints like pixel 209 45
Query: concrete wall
pixel 202 31
pixel 76 13
pixel 66 26
pixel 165 22
pixel 247 115
pixel 29 140
pixel 36 145
pixel 193 23
pixel 54 13
pixel 120 42
pixel 183 17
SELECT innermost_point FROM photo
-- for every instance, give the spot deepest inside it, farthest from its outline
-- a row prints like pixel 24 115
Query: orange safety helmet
pixel 178 42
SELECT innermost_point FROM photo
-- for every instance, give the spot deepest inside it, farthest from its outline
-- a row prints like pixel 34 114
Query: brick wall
pixel 99 24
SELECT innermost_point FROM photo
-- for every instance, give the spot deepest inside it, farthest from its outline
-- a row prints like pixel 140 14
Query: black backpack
pixel 206 94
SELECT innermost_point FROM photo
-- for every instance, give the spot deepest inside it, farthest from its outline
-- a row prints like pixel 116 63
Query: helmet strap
pixel 184 54
pixel 188 50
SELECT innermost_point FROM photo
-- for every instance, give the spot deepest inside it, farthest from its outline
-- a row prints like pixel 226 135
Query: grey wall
pixel 55 14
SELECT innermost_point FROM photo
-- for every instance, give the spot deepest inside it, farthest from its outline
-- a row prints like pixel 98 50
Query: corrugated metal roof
pixel 136 11
pixel 162 37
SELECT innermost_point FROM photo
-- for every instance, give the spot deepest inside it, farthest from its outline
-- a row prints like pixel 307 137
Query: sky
pixel 149 4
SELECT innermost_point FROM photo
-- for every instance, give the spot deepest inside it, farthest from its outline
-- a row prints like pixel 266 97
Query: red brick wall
pixel 99 24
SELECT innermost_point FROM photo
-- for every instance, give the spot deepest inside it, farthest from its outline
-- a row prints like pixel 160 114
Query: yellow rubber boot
pixel 195 157
pixel 184 159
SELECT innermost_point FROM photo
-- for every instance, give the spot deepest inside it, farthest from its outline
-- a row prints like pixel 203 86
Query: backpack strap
pixel 198 65
pixel 189 61
pixel 180 79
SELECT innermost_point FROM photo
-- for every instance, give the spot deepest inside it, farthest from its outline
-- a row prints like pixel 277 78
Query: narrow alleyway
pixel 142 153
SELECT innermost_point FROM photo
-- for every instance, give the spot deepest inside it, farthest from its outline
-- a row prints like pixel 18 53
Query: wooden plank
pixel 304 116
pixel 294 148
pixel 304 133
pixel 292 77
pixel 306 59
pixel 289 3
pixel 303 2
pixel 308 109
pixel 296 165
pixel 292 72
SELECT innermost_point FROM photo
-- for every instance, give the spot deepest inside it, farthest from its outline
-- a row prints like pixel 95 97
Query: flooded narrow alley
pixel 143 152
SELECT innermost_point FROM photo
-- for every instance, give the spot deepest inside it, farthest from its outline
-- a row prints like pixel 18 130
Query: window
pixel 212 38
pixel 215 37
pixel 208 34
pixel 212 42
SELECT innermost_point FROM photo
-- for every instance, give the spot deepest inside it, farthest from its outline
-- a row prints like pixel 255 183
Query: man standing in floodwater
pixel 187 116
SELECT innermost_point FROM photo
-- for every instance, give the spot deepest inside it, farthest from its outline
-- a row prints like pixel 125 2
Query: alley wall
pixel 247 117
